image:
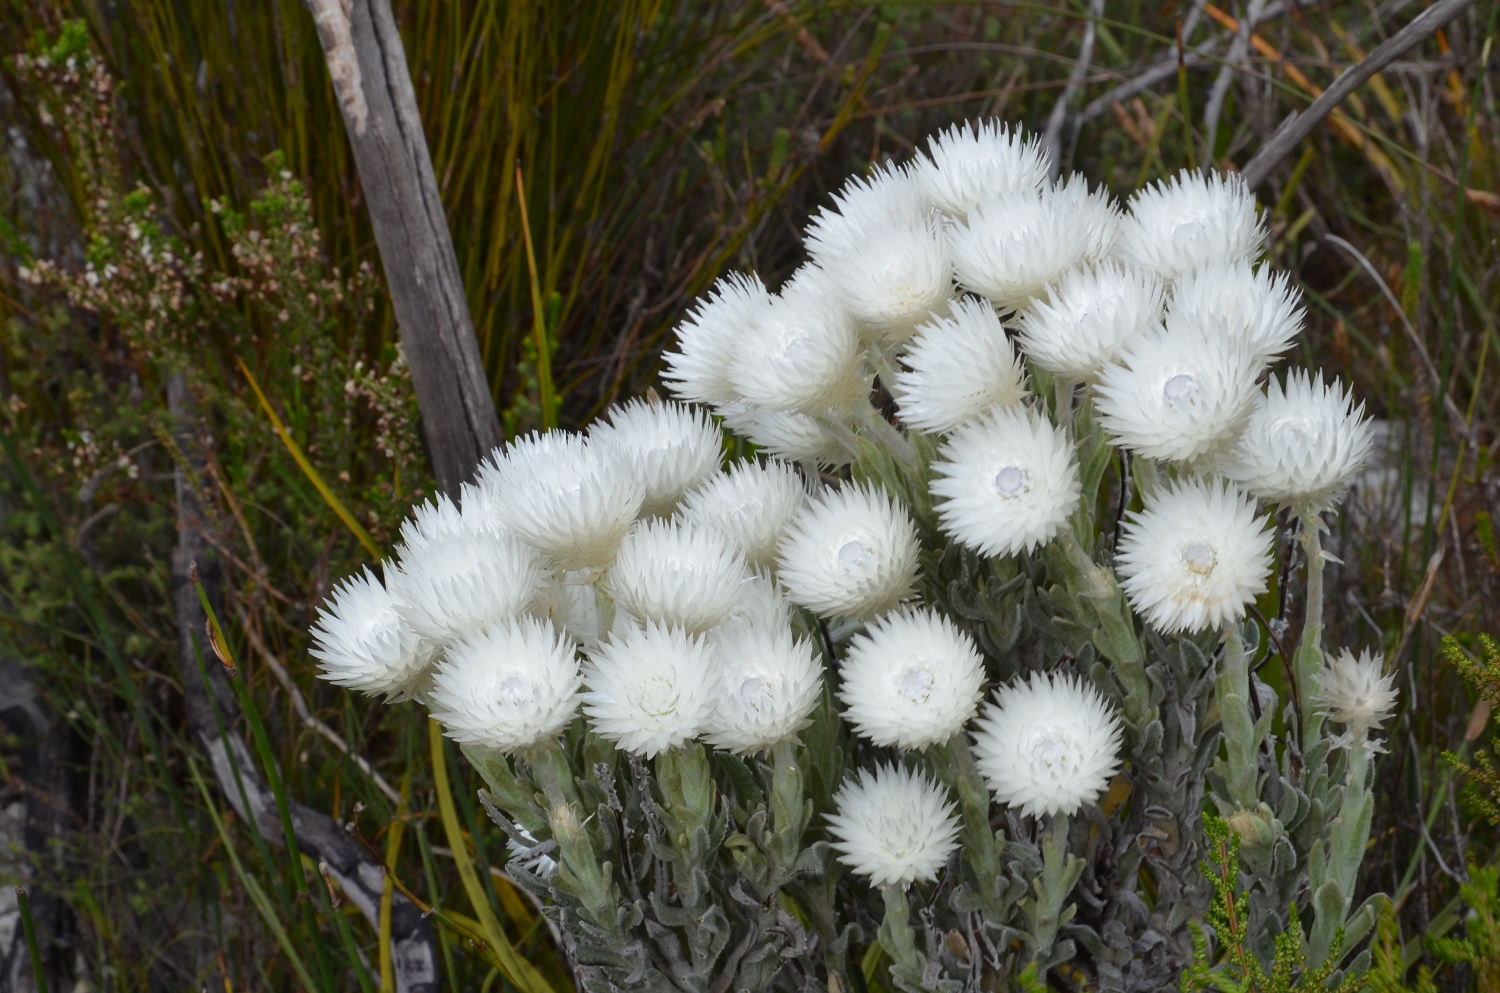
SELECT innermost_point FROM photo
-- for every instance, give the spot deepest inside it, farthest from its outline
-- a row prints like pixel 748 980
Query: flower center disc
pixel 1199 558
pixel 852 554
pixel 1187 232
pixel 915 684
pixel 1051 747
pixel 755 693
pixel 1180 388
pixel 1009 481
pixel 515 689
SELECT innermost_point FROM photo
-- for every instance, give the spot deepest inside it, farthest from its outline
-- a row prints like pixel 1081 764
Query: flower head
pixel 361 641
pixel 851 553
pixel 431 521
pixel 751 505
pixel 761 602
pixel 677 574
pixel 1303 444
pixel 893 826
pixel 796 437
pixel 651 689
pixel 957 367
pixel 1355 692
pixel 1087 316
pixel 1256 307
pixel 1178 393
pixel 771 682
pixel 967 165
pixel 913 679
pixel 699 369
pixel 572 499
pixel 1194 556
pixel 1093 212
pixel 1048 745
pixel 509 686
pixel 671 447
pixel 1008 482
pixel 1011 249
pixel 461 580
pixel 802 353
pixel 1188 220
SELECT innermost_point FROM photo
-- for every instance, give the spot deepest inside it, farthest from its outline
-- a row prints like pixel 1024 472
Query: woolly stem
pixel 1063 392
pixel 884 433
pixel 1115 636
pixel 580 871
pixel 979 848
pixel 1147 477
pixel 1241 740
pixel 1060 872
pixel 896 935
pixel 1309 658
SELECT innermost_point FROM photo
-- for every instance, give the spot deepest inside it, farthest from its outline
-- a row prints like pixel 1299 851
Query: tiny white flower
pixel 510 686
pixel 460 581
pixel 1194 556
pixel 651 689
pixel 1303 443
pixel 958 367
pixel 1354 691
pixel 889 192
pixel 1189 220
pixel 671 447
pixel 889 273
pixel 677 574
pixel 966 165
pixel 1009 482
pixel 911 680
pixel 571 499
pixel 1087 316
pixel 796 437
pixel 1095 212
pixel 851 553
pixel 1048 745
pixel 893 826
pixel 751 504
pixel 698 370
pixel 761 602
pixel 1012 249
pixel 802 353
pixel 361 641
pixel 1178 393
pixel 430 521
pixel 1258 307
pixel 771 683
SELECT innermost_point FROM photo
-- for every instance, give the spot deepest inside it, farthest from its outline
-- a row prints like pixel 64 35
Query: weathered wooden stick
pixel 1299 126
pixel 373 85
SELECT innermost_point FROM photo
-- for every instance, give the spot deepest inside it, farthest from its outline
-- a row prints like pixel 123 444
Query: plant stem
pixel 33 948
pixel 1241 741
pixel 1309 660
pixel 1060 872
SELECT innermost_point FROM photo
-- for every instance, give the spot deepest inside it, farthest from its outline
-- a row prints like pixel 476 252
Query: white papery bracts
pixel 958 367
pixel 1356 692
pixel 677 574
pixel 751 505
pixel 850 554
pixel 362 640
pixel 651 689
pixel 893 826
pixel 1087 317
pixel 770 683
pixel 1190 220
pixel 669 447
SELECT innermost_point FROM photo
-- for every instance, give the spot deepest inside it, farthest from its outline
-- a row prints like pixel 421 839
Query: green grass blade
pixel 33 948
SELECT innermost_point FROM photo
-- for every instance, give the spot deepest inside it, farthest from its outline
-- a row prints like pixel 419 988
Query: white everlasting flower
pixel 771 682
pixel 512 685
pixel 913 679
pixel 1355 692
pixel 893 826
pixel 698 370
pixel 1178 393
pixel 1189 220
pixel 802 353
pixel 1048 745
pixel 572 499
pixel 1087 316
pixel 968 165
pixel 1258 307
pixel 1194 557
pixel 671 447
pixel 852 553
pixel 957 367
pixel 677 574
pixel 796 437
pixel 651 689
pixel 1008 482
pixel 883 253
pixel 460 581
pixel 1012 249
pixel 361 641
pixel 751 504
pixel 1303 443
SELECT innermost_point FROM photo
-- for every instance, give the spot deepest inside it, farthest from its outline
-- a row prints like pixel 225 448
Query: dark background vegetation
pixel 661 144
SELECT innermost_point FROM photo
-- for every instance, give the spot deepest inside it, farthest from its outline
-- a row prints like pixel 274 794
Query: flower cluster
pixel 626 572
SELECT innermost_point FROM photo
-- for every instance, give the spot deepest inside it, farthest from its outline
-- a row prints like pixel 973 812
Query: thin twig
pixel 1239 50
pixel 299 704
pixel 1057 123
pixel 1299 126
